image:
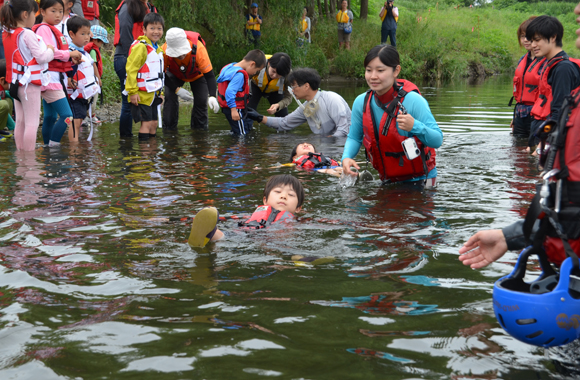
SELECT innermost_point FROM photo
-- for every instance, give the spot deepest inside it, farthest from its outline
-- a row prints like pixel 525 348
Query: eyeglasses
pixel 296 85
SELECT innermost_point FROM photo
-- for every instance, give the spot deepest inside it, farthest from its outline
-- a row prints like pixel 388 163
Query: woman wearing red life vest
pixel 526 82
pixel 390 116
pixel 128 27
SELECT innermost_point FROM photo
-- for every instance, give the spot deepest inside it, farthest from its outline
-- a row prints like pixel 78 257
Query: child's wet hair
pixel 296 148
pixel 257 56
pixel 11 12
pixel 74 24
pixel 153 18
pixel 285 180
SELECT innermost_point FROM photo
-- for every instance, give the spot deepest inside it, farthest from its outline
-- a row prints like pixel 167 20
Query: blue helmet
pixel 545 312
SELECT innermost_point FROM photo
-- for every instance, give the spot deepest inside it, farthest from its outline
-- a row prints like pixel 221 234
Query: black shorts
pixel 145 113
pixel 79 108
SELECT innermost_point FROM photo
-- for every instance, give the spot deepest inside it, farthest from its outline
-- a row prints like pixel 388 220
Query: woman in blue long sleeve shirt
pixel 368 123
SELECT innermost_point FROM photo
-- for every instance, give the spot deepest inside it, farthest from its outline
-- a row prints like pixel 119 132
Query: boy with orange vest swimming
pixel 561 73
pixel 145 77
pixel 283 196
pixel 83 81
pixel 234 91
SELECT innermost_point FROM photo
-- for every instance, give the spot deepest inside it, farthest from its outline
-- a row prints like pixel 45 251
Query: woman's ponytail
pixel 12 10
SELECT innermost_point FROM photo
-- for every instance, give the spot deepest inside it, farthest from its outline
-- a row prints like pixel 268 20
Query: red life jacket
pixel 264 216
pixel 241 96
pixel 16 68
pixel 527 80
pixel 386 152
pixel 190 71
pixel 314 161
pixel 61 44
pixel 137 26
pixel 87 86
pixel 88 48
pixel 542 106
pixel 568 161
pixel 90 9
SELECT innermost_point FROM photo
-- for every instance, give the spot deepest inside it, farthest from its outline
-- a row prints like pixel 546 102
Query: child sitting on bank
pixel 99 38
pixel 283 196
pixel 6 104
pixel 145 77
pixel 234 91
pixel 83 82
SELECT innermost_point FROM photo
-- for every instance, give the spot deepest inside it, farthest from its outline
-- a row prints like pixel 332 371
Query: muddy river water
pixel 96 284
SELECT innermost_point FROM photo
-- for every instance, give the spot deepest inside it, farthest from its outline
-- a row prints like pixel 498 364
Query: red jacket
pixel 241 96
pixel 61 44
pixel 88 48
pixel 385 151
pixel 137 27
pixel 191 71
pixel 314 161
pixel 527 80
pixel 264 216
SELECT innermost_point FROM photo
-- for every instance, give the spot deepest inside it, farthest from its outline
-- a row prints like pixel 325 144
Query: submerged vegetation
pixel 436 39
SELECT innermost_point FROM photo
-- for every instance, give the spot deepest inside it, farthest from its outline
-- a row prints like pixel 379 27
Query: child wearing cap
pixel 253 24
pixel 94 49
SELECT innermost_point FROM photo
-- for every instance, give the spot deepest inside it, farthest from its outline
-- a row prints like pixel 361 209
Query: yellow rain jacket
pixel 136 60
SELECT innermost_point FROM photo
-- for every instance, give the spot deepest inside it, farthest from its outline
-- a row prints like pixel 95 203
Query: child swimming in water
pixel 304 156
pixel 283 196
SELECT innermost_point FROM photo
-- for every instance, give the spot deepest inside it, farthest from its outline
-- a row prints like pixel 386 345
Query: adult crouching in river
pixel 326 112
pixel 187 61
pixel 128 27
pixel 526 83
pixel 391 115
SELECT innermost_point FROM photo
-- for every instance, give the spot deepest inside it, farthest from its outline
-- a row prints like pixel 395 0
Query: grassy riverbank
pixel 436 41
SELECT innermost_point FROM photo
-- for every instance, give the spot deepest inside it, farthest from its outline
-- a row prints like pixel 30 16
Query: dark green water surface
pixel 94 284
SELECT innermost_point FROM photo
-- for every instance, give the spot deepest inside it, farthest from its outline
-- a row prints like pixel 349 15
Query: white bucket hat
pixel 177 42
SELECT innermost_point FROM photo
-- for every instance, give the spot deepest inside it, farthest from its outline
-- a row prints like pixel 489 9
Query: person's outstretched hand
pixel 254 115
pixel 347 163
pixel 483 248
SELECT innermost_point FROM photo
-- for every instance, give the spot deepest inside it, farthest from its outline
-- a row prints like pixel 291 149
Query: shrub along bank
pixel 435 40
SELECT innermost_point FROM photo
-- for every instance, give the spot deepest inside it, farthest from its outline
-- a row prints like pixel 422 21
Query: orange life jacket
pixel 61 44
pixel 526 81
pixel 19 71
pixel 542 106
pixel 191 70
pixel 383 142
pixel 137 26
pixel 264 216
pixel 241 96
pixel 150 77
pixel 314 161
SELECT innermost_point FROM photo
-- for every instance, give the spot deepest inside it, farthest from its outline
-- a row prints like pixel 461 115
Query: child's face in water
pixel 303 149
pixel 283 198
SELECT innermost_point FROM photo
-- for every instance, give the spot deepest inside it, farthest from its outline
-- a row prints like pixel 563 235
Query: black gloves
pixel 254 115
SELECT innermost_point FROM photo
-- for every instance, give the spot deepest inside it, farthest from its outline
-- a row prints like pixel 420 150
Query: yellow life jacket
pixel 253 19
pixel 342 17
pixel 385 15
pixel 267 85
pixel 303 25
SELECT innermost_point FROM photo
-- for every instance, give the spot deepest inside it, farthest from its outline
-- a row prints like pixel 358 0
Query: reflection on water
pixel 97 281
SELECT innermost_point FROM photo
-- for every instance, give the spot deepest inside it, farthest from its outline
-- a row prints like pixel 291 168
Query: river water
pixel 97 280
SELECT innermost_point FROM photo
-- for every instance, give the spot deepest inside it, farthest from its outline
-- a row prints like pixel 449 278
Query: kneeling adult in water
pixel 326 112
pixel 386 116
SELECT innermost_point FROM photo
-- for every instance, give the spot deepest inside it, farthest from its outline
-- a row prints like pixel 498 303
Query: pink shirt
pixel 30 48
pixel 63 55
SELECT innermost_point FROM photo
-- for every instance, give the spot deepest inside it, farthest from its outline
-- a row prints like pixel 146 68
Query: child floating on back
pixel 304 156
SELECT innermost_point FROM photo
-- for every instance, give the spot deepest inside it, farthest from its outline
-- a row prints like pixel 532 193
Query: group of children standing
pixel 51 55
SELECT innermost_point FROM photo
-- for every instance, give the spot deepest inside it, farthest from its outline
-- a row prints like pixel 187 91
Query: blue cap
pixel 99 33
pixel 254 5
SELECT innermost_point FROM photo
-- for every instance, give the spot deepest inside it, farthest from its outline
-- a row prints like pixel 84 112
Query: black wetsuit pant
pixel 199 118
